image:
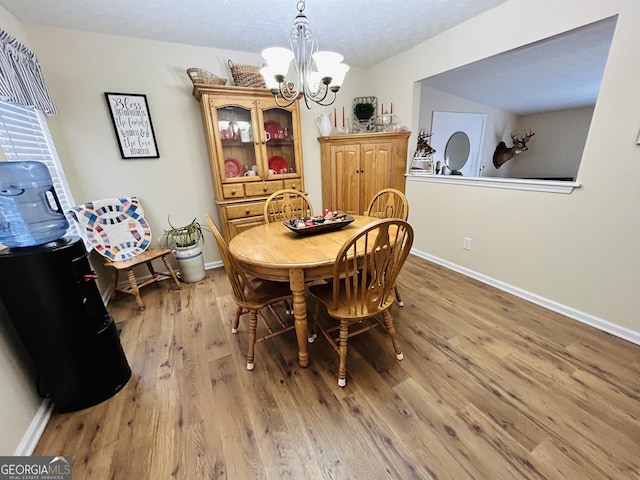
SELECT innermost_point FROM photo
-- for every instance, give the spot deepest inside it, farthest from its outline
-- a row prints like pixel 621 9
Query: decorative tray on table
pixel 314 225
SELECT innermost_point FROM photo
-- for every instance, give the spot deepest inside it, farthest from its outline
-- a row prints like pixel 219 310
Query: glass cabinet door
pixel 280 144
pixel 237 139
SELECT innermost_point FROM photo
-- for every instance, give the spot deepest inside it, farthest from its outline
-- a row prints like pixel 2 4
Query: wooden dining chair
pixel 364 275
pixel 389 203
pixel 285 205
pixel 251 295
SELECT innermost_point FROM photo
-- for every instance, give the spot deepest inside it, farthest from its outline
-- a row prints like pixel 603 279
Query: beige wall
pixel 579 250
pixel 557 146
pixel 19 401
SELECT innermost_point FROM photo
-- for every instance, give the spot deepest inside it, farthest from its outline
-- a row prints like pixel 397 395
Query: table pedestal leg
pixel 296 279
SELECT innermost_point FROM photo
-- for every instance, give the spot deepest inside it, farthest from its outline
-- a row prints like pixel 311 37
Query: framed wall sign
pixel 132 124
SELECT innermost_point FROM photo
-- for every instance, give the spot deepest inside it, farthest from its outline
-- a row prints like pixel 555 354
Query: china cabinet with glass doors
pixel 254 150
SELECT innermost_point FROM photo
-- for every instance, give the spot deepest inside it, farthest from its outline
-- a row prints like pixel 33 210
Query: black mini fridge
pixel 51 296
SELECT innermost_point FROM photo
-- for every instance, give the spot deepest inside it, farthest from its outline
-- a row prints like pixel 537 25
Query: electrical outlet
pixel 467 243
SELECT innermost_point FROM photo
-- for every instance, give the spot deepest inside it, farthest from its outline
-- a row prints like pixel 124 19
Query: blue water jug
pixel 30 212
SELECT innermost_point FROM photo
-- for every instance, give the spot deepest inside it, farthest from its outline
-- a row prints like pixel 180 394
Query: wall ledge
pixel 549 186
pixel 570 312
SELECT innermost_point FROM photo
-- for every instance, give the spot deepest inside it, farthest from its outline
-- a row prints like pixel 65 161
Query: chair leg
pixel 114 277
pixel 169 268
pixel 152 270
pixel 288 309
pixel 135 289
pixel 391 330
pixel 253 323
pixel 398 297
pixel 236 321
pixel 312 332
pixel 342 351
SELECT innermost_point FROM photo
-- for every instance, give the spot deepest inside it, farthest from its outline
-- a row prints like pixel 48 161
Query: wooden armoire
pixel 357 166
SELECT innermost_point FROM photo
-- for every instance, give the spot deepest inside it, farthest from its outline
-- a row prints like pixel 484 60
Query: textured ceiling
pixel 364 31
pixel 561 72
pixel 564 72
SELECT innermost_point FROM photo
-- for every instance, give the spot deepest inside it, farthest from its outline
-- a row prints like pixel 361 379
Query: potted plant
pixel 186 240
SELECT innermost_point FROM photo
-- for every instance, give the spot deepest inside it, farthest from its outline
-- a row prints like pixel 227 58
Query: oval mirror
pixel 456 153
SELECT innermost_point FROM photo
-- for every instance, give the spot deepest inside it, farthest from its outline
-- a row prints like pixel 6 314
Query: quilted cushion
pixel 115 227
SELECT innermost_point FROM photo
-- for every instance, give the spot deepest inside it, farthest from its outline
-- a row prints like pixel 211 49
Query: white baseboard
pixel 36 427
pixel 212 265
pixel 583 317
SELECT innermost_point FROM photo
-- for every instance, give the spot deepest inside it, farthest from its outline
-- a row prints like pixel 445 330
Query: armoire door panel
pixel 346 172
pixel 375 171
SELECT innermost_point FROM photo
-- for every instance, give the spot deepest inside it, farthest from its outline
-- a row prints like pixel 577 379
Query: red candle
pixel 335 124
pixel 342 117
pixel 391 107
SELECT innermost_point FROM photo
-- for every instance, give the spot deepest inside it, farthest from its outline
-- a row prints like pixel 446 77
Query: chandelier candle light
pixel 314 73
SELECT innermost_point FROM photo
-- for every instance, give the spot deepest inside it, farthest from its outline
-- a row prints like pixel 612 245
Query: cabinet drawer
pixel 243 210
pixel 256 189
pixel 233 191
pixel 238 226
pixel 294 183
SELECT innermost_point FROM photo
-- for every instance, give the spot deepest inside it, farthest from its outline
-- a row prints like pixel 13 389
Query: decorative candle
pixel 382 109
pixel 335 124
pixel 391 107
pixel 342 117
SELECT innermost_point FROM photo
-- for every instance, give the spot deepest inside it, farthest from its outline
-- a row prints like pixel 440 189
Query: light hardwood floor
pixel 491 387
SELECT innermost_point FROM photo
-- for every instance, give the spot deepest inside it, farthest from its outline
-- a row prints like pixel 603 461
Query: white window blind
pixel 24 136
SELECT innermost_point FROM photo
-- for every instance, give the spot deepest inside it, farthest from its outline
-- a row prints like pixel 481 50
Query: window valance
pixel 21 79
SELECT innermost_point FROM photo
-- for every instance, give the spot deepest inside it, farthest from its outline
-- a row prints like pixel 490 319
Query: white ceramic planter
pixel 191 263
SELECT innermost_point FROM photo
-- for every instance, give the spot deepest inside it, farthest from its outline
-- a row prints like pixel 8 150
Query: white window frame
pixel 25 136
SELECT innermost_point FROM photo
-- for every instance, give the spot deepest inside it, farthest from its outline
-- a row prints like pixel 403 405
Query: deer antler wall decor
pixel 424 137
pixel 503 154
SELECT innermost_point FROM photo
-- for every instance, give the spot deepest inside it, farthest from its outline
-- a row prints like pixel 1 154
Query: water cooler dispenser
pixel 50 293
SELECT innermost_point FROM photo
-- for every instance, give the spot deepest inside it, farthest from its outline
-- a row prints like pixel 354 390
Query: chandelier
pixel 315 74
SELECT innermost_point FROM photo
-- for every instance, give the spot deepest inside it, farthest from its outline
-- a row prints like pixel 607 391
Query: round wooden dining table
pixel 273 252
